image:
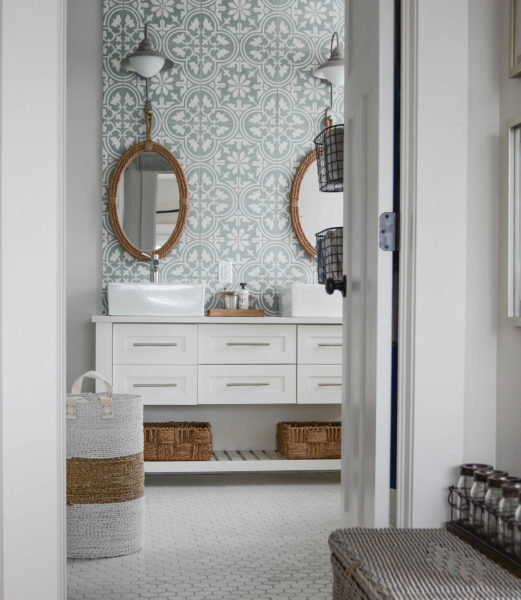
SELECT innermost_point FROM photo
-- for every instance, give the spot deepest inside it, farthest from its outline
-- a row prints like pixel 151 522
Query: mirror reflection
pixel 312 210
pixel 148 201
pixel 318 210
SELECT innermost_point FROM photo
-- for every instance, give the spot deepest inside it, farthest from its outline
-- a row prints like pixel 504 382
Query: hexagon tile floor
pixel 224 537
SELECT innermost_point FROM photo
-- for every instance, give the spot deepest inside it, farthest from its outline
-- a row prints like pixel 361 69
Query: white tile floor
pixel 224 537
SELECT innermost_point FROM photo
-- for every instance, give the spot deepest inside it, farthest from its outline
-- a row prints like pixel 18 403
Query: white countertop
pixel 246 320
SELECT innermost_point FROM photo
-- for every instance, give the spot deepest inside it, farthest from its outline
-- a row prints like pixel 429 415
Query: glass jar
pixel 517 531
pixel 463 486
pixel 477 497
pixel 507 509
pixel 493 496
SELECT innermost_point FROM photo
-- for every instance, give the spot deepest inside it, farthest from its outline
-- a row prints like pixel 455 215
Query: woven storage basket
pixel 410 564
pixel 178 441
pixel 105 473
pixel 309 440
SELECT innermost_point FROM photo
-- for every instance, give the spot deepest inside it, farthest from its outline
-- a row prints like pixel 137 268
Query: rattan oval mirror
pixel 310 209
pixel 148 200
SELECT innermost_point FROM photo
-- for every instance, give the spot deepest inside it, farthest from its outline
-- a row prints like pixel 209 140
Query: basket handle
pixel 76 386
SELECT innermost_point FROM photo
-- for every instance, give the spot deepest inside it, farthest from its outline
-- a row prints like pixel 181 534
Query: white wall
pixel 32 297
pixel 83 182
pixel 485 67
pixel 509 342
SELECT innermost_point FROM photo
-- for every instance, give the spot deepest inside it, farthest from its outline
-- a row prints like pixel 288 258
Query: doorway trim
pixel 32 254
pixel 433 265
pixel 407 280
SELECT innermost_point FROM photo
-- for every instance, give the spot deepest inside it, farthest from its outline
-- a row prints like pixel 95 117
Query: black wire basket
pixel 330 247
pixel 496 535
pixel 329 147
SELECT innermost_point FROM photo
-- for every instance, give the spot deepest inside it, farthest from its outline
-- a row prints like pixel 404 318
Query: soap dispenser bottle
pixel 243 297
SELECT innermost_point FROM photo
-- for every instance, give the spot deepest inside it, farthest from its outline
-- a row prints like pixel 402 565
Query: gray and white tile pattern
pixel 224 537
pixel 240 110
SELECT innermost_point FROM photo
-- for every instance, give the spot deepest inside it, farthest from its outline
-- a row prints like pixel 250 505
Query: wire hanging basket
pixel 330 247
pixel 329 147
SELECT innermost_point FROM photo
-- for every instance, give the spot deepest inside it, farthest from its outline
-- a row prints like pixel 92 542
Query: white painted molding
pixel 32 206
pixel 2 564
pixel 407 289
pixel 432 298
pixel 368 162
pixel 514 243
pixel 62 300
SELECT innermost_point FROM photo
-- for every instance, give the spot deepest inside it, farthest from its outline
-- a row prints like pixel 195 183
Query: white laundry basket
pixel 105 472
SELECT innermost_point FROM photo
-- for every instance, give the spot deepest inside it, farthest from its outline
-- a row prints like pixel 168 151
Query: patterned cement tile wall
pixel 240 110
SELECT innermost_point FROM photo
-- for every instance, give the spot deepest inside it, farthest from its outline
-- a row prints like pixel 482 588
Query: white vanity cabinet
pixel 247 344
pixel 319 368
pixel 247 364
pixel 157 361
pixel 199 362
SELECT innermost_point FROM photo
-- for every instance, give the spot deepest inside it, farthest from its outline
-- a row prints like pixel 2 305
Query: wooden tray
pixel 236 312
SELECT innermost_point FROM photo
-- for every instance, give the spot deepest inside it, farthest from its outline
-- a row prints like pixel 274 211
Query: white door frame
pixel 32 361
pixel 368 164
pixel 432 289
pixel 407 280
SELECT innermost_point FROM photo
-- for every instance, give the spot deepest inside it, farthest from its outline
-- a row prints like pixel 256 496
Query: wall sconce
pixel 333 69
pixel 146 61
pixel 329 143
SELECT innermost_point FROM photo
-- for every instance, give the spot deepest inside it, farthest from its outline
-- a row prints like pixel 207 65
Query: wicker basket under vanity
pixel 309 440
pixel 178 441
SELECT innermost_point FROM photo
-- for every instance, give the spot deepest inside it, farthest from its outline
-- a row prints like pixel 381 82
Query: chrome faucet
pixel 153 257
pixel 154 267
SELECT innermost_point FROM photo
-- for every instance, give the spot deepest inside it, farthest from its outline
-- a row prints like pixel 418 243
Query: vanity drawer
pixel 320 344
pixel 159 344
pixel 247 344
pixel 319 384
pixel 252 384
pixel 158 384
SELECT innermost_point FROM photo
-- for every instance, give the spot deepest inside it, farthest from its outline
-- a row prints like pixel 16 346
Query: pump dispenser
pixel 243 296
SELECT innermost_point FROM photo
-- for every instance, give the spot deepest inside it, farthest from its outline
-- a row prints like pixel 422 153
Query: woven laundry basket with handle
pixel 105 472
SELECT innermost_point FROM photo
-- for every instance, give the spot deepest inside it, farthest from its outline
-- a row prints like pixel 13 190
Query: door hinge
pixel 388 232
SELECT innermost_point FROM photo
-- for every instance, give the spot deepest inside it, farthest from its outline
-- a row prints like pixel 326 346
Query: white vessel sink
pixel 156 299
pixel 308 300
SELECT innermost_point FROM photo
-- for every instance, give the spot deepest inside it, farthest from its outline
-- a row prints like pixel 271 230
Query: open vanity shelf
pixel 242 461
pixel 240 374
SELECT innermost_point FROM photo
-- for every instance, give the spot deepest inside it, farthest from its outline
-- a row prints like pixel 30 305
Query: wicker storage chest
pixel 178 441
pixel 105 473
pixel 309 440
pixel 409 564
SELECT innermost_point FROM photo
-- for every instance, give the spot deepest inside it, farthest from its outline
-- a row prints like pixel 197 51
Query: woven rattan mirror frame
pixel 294 203
pixel 182 217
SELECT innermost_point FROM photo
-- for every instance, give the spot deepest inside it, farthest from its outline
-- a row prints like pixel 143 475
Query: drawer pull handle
pixel 145 344
pixel 246 384
pixel 330 345
pixel 154 385
pixel 329 385
pixel 247 343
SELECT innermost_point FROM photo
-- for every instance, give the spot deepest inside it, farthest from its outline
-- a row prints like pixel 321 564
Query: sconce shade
pixel 333 69
pixel 146 61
